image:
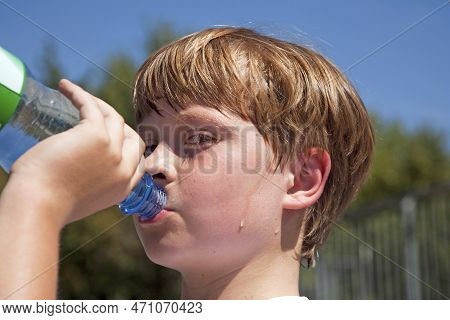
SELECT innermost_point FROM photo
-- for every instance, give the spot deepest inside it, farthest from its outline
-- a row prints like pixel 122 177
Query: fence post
pixel 410 249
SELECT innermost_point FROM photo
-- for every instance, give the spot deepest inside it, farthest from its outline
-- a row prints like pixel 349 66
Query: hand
pixel 85 169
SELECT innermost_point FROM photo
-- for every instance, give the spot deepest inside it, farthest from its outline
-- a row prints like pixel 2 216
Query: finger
pixel 105 108
pixel 114 123
pixel 133 143
pixel 130 133
pixel 133 152
pixel 138 173
pixel 81 100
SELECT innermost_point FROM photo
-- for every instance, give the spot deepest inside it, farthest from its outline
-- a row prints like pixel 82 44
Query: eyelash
pixel 210 139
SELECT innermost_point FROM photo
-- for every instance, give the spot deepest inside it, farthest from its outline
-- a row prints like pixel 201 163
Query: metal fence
pixel 395 249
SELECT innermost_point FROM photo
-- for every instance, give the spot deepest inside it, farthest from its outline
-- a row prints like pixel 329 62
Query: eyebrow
pixel 206 119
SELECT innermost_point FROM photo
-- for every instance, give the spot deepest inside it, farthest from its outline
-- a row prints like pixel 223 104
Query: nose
pixel 160 164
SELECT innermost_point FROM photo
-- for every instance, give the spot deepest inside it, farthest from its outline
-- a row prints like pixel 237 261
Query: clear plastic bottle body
pixel 43 112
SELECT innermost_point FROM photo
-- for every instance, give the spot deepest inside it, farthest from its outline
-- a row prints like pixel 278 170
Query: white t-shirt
pixel 290 298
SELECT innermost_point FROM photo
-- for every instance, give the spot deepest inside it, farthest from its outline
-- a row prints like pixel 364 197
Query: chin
pixel 170 256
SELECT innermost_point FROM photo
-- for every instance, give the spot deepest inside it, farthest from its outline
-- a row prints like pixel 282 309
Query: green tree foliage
pixel 117 86
pixel 50 66
pixel 103 259
pixel 162 34
pixel 404 161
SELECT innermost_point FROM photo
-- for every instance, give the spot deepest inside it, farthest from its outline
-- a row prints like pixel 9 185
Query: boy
pixel 240 129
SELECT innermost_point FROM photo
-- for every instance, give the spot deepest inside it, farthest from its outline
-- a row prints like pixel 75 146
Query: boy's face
pixel 225 203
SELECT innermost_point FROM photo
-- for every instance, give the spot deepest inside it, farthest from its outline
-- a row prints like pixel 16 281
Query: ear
pixel 306 179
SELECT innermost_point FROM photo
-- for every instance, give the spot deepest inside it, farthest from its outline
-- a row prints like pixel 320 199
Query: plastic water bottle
pixel 31 112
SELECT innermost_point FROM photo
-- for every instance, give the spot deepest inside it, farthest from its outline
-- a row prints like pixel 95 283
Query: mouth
pixel 160 216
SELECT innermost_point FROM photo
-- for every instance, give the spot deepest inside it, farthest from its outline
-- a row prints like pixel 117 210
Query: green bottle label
pixel 12 77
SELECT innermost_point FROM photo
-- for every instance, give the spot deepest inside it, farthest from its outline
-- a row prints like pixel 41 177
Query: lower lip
pixel 161 215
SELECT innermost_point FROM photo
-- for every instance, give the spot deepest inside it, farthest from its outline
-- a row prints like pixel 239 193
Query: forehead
pixel 194 117
pixel 192 114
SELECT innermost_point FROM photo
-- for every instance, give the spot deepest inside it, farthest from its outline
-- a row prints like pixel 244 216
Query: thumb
pixel 82 100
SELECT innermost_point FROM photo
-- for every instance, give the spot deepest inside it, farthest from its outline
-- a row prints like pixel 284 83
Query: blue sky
pixel 408 79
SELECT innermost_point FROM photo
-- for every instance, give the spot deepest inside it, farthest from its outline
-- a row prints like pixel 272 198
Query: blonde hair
pixel 295 97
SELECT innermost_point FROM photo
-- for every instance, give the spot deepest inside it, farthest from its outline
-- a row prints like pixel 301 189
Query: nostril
pixel 159 175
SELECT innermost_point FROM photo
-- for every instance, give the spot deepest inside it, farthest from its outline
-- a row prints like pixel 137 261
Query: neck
pixel 264 277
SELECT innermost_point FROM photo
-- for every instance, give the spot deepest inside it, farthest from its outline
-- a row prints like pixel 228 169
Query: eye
pixel 200 139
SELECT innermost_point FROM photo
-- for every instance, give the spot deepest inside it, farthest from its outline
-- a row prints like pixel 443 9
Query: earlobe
pixel 307 179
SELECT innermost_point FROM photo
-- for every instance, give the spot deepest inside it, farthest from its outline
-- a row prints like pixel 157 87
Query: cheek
pixel 228 188
pixel 210 193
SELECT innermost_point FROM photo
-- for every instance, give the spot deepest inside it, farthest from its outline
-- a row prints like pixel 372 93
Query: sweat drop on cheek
pixel 31 112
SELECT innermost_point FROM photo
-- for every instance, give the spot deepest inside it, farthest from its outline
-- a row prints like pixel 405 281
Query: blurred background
pixel 393 243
